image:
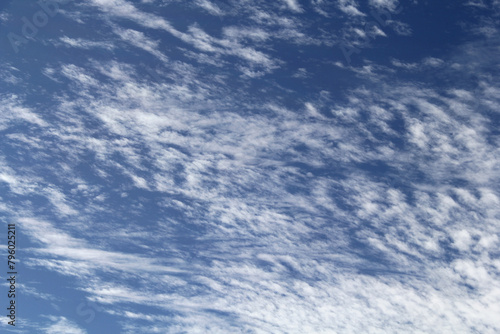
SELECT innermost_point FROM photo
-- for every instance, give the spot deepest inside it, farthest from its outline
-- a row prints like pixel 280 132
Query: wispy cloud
pixel 62 325
pixel 85 44
pixel 210 7
pixel 192 198
pixel 293 5
pixel 209 162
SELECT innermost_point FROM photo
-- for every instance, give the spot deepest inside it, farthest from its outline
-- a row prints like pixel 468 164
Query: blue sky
pixel 291 166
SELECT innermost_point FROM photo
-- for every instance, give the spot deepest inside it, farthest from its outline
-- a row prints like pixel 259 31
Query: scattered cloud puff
pixel 390 5
pixel 293 5
pixel 400 28
pixel 138 39
pixel 210 7
pixel 350 7
pixel 62 325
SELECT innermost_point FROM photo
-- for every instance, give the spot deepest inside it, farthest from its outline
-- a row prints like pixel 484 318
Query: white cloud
pixel 386 4
pixel 62 325
pixel 138 39
pixel 210 7
pixel 293 5
pixel 350 7
pixel 13 111
pixel 323 284
pixel 86 44
pixel 78 252
pixel 240 214
pixel 195 35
